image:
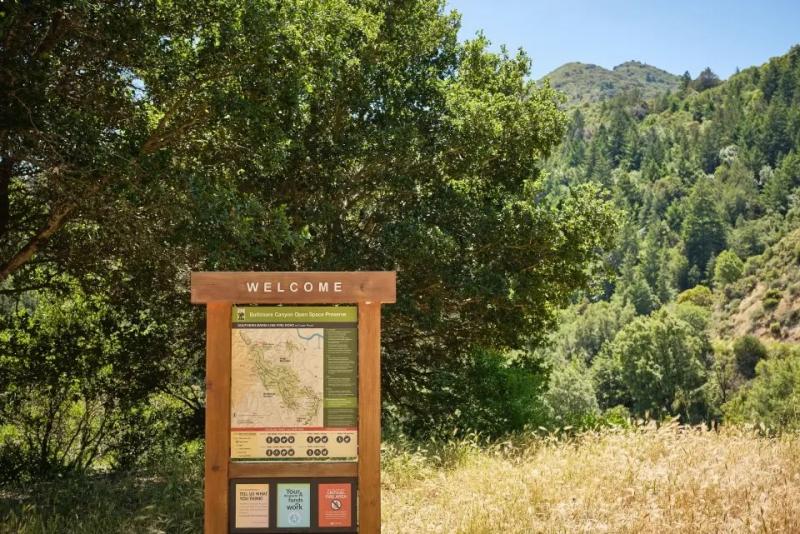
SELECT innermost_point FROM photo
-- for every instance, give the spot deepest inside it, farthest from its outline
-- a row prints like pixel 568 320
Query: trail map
pixel 294 383
pixel 278 374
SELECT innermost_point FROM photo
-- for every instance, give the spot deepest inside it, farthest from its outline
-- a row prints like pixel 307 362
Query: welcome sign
pixel 292 400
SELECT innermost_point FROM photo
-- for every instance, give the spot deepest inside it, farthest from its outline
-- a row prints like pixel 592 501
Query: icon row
pixel 280 439
pixel 279 452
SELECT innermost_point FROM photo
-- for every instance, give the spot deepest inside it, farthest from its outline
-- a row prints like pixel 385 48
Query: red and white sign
pixel 336 505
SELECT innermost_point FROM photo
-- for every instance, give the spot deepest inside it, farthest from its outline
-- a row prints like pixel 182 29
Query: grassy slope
pixel 641 480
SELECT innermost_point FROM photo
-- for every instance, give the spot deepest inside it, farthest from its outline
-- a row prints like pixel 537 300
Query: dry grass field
pixel 642 480
pixel 645 480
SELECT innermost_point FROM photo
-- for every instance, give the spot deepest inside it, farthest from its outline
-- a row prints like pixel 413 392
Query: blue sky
pixel 675 35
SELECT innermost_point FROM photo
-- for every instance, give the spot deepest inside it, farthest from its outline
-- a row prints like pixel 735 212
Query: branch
pixel 52 36
pixel 55 221
pixel 17 290
pixel 6 168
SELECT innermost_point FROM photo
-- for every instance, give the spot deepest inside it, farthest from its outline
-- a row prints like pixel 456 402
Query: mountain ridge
pixel 587 83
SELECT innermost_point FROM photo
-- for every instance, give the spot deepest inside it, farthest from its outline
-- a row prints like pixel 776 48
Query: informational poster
pixel 294 505
pixel 294 383
pixel 252 505
pixel 335 504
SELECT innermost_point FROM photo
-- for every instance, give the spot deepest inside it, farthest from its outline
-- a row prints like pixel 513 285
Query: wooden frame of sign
pixel 220 291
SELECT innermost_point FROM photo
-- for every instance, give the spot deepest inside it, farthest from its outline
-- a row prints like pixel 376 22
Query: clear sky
pixel 675 35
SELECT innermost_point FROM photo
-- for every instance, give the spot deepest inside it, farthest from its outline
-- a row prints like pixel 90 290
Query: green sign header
pixel 295 314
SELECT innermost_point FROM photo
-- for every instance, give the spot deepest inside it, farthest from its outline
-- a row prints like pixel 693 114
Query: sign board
pixel 294 383
pixel 292 400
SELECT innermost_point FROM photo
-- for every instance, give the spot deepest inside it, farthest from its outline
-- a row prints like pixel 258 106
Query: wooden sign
pixel 292 400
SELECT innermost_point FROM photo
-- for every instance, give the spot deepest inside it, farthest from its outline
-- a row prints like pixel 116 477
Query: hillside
pixel 586 83
pixel 706 182
pixel 765 302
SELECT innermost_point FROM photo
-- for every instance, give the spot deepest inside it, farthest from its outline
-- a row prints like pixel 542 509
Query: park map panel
pixel 294 383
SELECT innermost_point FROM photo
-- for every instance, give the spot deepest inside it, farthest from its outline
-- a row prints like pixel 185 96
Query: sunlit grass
pixel 639 480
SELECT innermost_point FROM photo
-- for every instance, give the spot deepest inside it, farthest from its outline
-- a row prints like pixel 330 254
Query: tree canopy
pixel 143 140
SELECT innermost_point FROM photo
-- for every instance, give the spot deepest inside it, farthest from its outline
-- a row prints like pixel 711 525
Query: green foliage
pixel 663 364
pixel 609 382
pixel 698 295
pixel 748 351
pixel 702 175
pixel 79 386
pixel 772 399
pixel 291 136
pixel 166 496
pixel 703 229
pixel 586 83
pixel 698 317
pixel 737 189
pixel 727 268
pixel 570 397
pixel 353 136
pixel 772 298
pixel 491 394
pixel 725 377
pixel 752 237
pixel 783 182
pixel 639 294
pixel 705 80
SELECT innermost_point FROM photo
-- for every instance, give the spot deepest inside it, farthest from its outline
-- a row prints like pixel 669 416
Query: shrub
pixel 493 393
pixel 698 295
pixel 757 313
pixel 695 316
pixel 641 296
pixel 617 416
pixel 748 351
pixel 771 299
pixel 571 397
pixel 772 399
pixel 663 363
pixel 774 293
pixel 775 329
pixel 76 383
pixel 727 268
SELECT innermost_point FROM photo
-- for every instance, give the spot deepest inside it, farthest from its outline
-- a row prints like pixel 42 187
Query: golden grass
pixel 673 479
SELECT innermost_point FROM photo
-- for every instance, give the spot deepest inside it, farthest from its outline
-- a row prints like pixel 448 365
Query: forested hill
pixel 703 283
pixel 586 83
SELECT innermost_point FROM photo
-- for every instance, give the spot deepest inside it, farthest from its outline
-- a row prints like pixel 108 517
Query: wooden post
pixel 369 417
pixel 218 385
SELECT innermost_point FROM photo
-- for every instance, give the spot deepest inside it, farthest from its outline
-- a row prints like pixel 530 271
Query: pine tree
pixel 703 228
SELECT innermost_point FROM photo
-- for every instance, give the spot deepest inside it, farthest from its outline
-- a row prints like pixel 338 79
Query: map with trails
pixel 277 375
pixel 294 383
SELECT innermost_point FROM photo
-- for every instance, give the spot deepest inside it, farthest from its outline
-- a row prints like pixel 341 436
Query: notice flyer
pixel 335 505
pixel 252 505
pixel 294 505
